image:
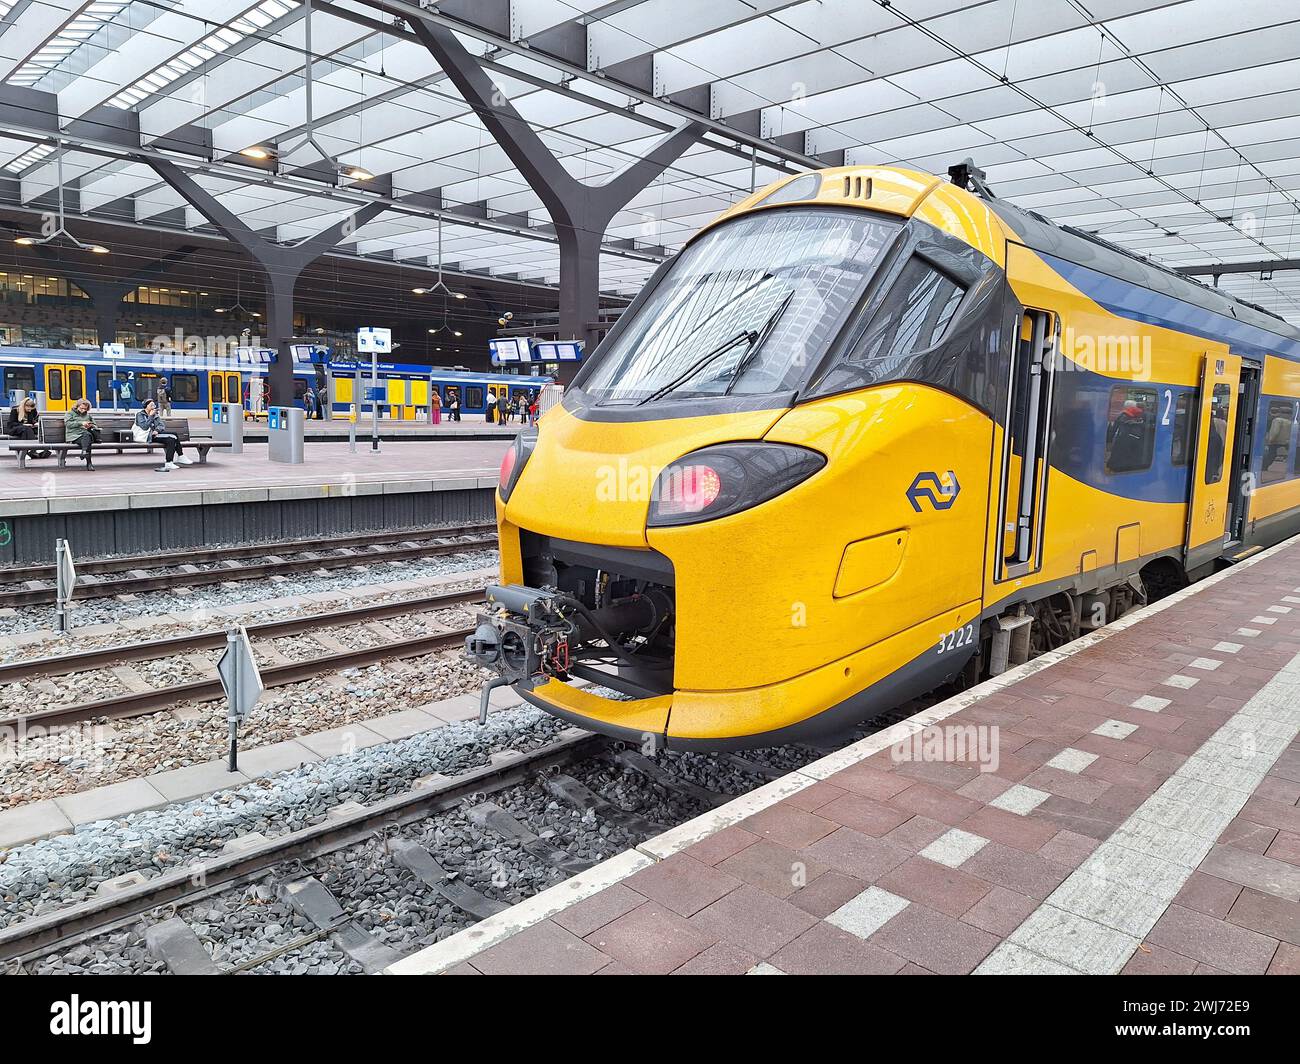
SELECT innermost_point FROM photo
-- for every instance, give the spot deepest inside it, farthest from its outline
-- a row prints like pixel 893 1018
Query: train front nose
pixel 574 518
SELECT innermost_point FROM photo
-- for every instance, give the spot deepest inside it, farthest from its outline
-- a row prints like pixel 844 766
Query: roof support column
pixel 281 264
pixel 581 212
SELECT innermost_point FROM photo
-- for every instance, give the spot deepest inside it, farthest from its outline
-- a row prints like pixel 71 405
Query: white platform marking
pixel 1208 664
pixel 1094 921
pixel 1228 648
pixel 1150 703
pixel 868 912
pixel 1115 729
pixel 954 847
pixel 1020 799
pixel 1072 760
pixel 1180 681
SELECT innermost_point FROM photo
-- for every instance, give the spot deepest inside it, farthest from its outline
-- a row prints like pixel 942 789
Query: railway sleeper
pixel 638 762
pixel 311 899
pixel 415 858
pixel 754 768
pixel 174 943
pixel 585 800
pixel 491 817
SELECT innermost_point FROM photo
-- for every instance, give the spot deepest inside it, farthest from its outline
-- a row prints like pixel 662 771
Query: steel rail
pixel 169 646
pixel 40 935
pixel 138 703
pixel 12 574
pixel 164 581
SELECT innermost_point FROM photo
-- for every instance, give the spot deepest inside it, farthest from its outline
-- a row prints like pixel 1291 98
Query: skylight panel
pixel 218 41
pixel 66 41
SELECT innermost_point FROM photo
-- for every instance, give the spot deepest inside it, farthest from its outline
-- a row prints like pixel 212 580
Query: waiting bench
pixel 115 432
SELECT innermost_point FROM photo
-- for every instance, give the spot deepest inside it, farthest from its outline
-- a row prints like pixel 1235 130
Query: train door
pixel 1027 432
pixel 64 385
pixel 217 389
pixel 234 388
pixel 1213 496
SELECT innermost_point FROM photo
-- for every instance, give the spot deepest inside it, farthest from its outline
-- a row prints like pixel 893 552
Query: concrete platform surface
pixel 130 480
pixel 1126 804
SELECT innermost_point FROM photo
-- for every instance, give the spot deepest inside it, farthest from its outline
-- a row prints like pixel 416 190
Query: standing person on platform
pixel 164 396
pixel 322 399
pixel 503 408
pixel 453 403
pixel 532 410
pixel 80 428
pixel 149 427
pixel 435 405
pixel 128 391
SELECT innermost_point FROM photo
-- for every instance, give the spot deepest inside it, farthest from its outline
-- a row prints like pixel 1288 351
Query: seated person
pixel 80 428
pixel 149 427
pixel 23 421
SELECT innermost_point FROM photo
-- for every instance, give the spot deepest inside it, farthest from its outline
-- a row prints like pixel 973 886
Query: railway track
pixel 284 860
pixel 40 935
pixel 141 702
pixel 101 578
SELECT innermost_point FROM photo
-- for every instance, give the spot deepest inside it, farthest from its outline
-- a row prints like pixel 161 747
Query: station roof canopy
pixel 1169 128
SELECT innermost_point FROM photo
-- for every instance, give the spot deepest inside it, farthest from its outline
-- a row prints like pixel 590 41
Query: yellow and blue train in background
pixel 57 378
pixel 870 433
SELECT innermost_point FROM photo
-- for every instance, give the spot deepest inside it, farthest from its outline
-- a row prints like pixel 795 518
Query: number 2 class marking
pixel 958 637
pixel 6 537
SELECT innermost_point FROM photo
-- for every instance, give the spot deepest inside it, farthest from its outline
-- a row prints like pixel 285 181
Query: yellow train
pixel 871 432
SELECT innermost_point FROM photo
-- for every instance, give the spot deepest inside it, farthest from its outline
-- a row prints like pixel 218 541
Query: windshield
pixel 749 308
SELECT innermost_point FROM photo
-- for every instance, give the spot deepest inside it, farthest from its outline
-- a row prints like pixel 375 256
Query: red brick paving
pixel 760 890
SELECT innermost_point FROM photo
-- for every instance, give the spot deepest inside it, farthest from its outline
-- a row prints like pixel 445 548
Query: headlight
pixel 512 465
pixel 727 478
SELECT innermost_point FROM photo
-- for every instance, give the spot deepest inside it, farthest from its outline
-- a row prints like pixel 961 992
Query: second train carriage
pixel 58 378
pixel 869 433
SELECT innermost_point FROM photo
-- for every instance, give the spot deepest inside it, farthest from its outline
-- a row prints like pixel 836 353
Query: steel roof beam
pixel 580 212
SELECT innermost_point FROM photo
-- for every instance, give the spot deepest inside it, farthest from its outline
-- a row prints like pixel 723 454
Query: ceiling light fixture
pixel 260 152
pixel 351 171
pixel 61 230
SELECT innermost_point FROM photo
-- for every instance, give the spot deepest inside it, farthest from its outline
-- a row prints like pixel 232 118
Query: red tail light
pixel 508 465
pixel 512 465
pixel 726 478
pixel 688 489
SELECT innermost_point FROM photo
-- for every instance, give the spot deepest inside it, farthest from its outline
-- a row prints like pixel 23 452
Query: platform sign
pixel 372 341
pixel 242 681
pixel 65 573
pixel 510 350
pixel 115 351
pixel 557 351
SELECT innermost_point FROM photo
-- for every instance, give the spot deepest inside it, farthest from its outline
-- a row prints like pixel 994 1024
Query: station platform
pixel 1127 804
pixel 474 427
pixel 117 506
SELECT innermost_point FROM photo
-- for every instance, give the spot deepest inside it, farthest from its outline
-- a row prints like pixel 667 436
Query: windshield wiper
pixel 757 345
pixel 745 336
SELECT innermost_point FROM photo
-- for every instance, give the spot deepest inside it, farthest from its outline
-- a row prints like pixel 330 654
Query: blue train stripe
pixel 1128 300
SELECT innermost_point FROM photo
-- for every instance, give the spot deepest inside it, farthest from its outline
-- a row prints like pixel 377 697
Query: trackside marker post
pixel 242 681
pixel 65 581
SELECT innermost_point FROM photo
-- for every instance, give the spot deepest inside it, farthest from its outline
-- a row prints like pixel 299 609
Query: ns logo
pixel 941 491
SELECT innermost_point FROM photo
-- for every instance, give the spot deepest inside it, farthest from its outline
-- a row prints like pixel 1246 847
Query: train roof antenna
pixel 970 177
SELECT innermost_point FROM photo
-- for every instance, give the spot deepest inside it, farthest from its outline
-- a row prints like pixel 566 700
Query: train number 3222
pixel 957 638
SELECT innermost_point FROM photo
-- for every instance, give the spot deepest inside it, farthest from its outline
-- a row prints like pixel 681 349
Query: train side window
pixel 1131 429
pixel 473 397
pixel 20 379
pixel 185 388
pixel 913 317
pixel 54 385
pixel 1184 425
pixel 1279 425
pixel 103 386
pixel 1220 403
